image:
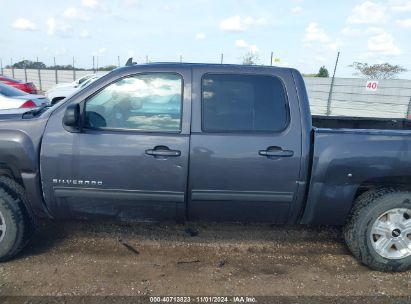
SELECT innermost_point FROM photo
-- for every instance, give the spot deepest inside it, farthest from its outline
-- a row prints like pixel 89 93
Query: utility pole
pixel 271 60
pixel 332 86
pixel 222 58
pixel 12 67
pixel 74 71
pixel 118 60
pixel 181 58
pixel 146 58
pixel 25 73
pixel 39 76
pixel 55 70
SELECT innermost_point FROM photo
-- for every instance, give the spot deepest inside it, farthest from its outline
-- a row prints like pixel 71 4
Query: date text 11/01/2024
pixel 209 299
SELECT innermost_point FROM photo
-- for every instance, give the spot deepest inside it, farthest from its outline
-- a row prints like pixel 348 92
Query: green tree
pixel 28 64
pixel 323 72
pixel 377 71
pixel 107 68
pixel 62 67
pixel 250 58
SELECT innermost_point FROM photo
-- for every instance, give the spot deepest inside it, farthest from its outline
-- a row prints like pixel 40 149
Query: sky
pixel 304 34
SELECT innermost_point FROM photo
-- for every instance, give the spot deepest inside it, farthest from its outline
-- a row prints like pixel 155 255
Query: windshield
pixel 9 91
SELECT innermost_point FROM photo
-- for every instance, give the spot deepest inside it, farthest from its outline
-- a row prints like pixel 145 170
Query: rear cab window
pixel 243 103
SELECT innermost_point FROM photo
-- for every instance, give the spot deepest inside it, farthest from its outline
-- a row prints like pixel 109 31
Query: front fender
pixel 17 152
pixel 20 142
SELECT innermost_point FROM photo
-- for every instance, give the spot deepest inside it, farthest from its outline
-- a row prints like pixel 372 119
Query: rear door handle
pixel 163 151
pixel 276 152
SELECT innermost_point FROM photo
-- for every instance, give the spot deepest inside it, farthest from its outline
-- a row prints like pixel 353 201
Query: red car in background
pixel 28 87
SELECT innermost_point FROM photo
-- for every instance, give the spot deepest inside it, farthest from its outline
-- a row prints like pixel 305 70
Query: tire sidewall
pixel 368 253
pixel 10 237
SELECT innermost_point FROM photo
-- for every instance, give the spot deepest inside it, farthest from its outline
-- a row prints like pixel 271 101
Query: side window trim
pixel 287 106
pixel 131 130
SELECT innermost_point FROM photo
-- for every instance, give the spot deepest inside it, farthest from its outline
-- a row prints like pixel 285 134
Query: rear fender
pixel 346 161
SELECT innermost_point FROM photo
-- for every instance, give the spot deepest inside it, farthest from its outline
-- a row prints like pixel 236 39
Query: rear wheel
pixel 15 223
pixel 391 234
pixel 378 233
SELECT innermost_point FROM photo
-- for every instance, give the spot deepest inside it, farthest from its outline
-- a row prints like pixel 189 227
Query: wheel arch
pixel 331 203
pixel 400 182
pixel 19 162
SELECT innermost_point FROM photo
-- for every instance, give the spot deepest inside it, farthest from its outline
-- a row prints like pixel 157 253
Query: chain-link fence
pixel 390 98
pixel 350 97
pixel 46 79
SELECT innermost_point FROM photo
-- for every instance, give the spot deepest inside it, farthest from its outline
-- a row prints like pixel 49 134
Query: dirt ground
pixel 105 258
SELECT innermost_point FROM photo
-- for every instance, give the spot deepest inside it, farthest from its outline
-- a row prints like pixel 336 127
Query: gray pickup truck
pixel 207 142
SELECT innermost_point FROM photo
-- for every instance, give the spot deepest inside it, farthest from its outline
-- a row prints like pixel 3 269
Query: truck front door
pixel 130 160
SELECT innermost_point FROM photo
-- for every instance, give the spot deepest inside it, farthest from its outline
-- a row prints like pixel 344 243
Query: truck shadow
pixel 252 238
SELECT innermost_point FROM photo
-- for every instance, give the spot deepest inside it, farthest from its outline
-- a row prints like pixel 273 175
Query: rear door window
pixel 236 103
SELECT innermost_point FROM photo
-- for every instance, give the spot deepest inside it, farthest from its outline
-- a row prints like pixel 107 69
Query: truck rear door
pixel 245 148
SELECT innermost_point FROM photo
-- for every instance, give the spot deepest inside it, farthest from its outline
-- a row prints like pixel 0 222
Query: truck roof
pixel 204 65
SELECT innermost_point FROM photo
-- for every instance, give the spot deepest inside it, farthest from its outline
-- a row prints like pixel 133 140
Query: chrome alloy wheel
pixel 2 227
pixel 391 234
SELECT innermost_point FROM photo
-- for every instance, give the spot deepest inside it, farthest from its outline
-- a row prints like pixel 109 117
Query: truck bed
pixel 346 122
pixel 349 154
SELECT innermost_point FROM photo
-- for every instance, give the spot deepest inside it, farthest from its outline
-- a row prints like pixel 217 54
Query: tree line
pixel 28 64
pixel 365 70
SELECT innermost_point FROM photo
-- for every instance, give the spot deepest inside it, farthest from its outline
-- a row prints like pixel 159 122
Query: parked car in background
pixel 12 98
pixel 76 82
pixel 27 87
pixel 61 91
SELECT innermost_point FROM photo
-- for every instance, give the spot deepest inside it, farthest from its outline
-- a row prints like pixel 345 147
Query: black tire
pixel 367 208
pixel 18 221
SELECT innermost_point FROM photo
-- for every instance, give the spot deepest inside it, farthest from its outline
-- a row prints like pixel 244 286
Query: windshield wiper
pixel 36 111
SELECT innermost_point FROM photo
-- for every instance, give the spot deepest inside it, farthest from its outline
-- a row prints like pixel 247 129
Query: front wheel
pixel 15 224
pixel 378 232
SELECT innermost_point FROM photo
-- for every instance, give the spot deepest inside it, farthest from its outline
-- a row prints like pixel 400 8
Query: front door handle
pixel 276 152
pixel 163 151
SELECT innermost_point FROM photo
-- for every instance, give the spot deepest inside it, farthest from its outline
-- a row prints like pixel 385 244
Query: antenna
pixel 130 62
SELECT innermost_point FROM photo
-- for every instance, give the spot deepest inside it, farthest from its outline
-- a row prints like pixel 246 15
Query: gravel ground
pixel 105 258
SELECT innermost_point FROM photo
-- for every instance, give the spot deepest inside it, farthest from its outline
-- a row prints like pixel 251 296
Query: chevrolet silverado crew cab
pixel 212 143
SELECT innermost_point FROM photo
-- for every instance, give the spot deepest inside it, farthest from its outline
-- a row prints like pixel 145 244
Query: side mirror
pixel 72 116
